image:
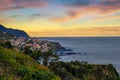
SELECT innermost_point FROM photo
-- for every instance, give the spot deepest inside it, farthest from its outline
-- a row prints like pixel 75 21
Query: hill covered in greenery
pixel 18 66
pixel 84 71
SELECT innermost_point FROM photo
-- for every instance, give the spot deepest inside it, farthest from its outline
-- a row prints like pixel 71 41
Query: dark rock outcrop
pixel 55 46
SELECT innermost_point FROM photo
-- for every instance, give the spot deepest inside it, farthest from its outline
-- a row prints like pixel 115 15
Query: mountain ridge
pixel 14 32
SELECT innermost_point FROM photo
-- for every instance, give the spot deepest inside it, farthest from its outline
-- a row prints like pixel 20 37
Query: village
pixel 32 43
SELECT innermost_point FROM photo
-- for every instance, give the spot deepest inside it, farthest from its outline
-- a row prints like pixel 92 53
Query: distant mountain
pixel 4 35
pixel 14 32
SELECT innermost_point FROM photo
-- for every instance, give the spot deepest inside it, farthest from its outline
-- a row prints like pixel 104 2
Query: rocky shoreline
pixel 62 51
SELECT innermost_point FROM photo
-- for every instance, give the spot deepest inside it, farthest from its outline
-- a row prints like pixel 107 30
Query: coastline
pixel 90 52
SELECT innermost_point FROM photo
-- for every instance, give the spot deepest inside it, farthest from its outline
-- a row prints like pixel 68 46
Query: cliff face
pixel 14 32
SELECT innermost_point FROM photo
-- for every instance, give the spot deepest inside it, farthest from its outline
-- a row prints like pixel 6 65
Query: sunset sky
pixel 42 18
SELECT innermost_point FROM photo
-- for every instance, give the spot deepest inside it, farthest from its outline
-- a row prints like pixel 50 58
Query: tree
pixel 36 55
pixel 27 51
pixel 44 57
pixel 7 44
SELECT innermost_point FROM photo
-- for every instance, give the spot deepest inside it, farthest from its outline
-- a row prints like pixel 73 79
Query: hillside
pixel 18 66
pixel 84 71
pixel 4 35
pixel 14 32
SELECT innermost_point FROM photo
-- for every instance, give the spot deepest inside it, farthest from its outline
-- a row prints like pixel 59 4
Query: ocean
pixel 99 50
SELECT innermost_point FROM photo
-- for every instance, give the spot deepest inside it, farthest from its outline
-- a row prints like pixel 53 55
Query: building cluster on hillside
pixel 32 43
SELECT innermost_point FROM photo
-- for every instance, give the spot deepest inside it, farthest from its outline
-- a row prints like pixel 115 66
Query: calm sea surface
pixel 100 50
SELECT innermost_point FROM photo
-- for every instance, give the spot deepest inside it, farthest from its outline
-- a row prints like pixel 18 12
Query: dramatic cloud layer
pixel 74 8
pixel 78 8
pixel 49 15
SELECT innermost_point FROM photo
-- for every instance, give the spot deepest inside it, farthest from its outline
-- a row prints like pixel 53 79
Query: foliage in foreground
pixel 84 71
pixel 18 66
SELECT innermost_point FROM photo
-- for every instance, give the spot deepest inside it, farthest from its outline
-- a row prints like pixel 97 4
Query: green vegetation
pixel 19 66
pixel 42 57
pixel 6 44
pixel 84 71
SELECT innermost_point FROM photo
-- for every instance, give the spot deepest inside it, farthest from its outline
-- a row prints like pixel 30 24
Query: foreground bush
pixel 84 71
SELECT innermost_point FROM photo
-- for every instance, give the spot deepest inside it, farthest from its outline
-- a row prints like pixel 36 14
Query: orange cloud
pixel 83 31
pixel 107 18
pixel 5 20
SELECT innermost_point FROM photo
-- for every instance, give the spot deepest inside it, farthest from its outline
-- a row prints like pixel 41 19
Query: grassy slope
pixel 18 66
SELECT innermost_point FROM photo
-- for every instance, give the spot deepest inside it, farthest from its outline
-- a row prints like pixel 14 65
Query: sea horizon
pixel 71 36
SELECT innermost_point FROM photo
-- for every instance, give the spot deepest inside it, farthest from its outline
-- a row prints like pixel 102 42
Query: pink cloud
pixel 75 9
pixel 103 8
pixel 16 4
